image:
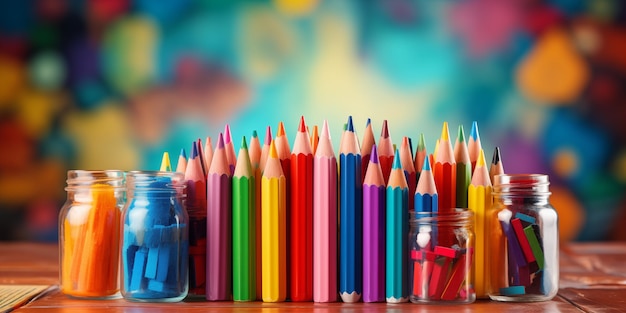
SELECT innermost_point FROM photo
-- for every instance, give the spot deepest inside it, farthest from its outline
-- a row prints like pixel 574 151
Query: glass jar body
pixel 89 231
pixel 523 253
pixel 441 247
pixel 155 245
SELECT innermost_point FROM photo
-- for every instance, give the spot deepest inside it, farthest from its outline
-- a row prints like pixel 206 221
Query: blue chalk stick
pixel 138 269
pixel 526 218
pixel 151 264
pixel 164 262
pixel 156 286
pixel 129 261
pixel 513 291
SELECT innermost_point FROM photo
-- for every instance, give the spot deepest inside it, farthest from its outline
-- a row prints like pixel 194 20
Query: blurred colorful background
pixel 112 84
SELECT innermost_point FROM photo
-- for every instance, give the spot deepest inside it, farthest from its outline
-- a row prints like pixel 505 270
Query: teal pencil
pixel 244 228
pixel 463 169
pixel 397 227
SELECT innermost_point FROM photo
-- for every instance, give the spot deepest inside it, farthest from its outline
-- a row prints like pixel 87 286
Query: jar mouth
pixel 154 182
pixel 456 215
pixel 81 179
pixel 521 184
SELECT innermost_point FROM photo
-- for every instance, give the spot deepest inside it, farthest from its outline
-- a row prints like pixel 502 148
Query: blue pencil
pixel 351 217
pixel 426 199
pixel 397 224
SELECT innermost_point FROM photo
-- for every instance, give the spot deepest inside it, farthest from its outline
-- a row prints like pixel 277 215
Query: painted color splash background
pixel 111 84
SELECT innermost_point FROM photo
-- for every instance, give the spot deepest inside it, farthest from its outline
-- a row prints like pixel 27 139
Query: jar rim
pixel 79 179
pixel 521 185
pixel 458 215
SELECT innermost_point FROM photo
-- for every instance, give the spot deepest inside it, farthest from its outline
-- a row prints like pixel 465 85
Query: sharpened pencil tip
pixel 244 144
pixel 273 152
pixel 445 132
pixel 384 133
pixel 369 122
pixel 474 132
pixel 421 145
pixel 325 130
pixel 350 126
pixel 281 129
pixel 496 156
pixel 227 136
pixel 426 166
pixel 183 153
pixel 268 135
pixel 396 160
pixel 220 141
pixel 461 134
pixel 302 127
pixel 194 150
pixel 254 134
pixel 481 159
pixel 374 155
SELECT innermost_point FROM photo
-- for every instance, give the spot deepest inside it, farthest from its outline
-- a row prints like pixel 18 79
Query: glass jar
pixel 523 252
pixel 89 230
pixel 441 273
pixel 155 245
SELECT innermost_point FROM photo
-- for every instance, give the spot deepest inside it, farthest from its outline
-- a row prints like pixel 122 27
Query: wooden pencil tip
pixel 350 126
pixel 194 150
pixel 244 144
pixel 384 133
pixel 302 127
pixel 227 136
pixel 273 152
pixel 183 153
pixel 325 130
pixel 474 132
pixel 421 145
pixel 445 132
pixel 461 134
pixel 220 141
pixel 268 135
pixel 397 163
pixel 496 156
pixel 426 166
pixel 281 129
pixel 374 155
pixel 481 159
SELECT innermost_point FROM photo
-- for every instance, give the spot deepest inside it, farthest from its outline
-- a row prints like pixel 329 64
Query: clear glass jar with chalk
pixel 441 247
pixel 523 254
pixel 155 245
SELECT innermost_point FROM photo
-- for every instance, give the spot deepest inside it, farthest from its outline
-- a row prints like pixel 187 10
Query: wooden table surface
pixel 593 279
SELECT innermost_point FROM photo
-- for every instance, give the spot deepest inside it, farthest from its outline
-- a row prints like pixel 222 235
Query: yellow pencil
pixel 273 230
pixel 479 201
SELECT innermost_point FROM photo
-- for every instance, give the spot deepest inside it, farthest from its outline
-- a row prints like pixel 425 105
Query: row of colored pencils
pixel 304 225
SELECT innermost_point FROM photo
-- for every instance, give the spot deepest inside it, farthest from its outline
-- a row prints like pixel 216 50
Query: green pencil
pixel 463 169
pixel 244 227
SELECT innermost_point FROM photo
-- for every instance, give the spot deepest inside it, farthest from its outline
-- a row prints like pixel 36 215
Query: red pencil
pixel 366 147
pixel 301 186
pixel 196 208
pixel 385 152
pixel 445 178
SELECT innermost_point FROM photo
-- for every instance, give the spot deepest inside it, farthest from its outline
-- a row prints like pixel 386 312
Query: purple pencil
pixel 219 220
pixel 374 231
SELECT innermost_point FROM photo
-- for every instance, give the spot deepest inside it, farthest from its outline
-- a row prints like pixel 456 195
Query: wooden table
pixel 593 279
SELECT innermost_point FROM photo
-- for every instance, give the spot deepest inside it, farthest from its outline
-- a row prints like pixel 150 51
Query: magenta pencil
pixel 385 151
pixel 219 223
pixel 231 157
pixel 374 231
pixel 325 220
pixel 265 150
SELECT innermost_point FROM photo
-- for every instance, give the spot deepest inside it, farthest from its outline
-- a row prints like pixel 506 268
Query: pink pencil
pixel 325 220
pixel 219 219
pixel 385 152
pixel 231 157
pixel 208 153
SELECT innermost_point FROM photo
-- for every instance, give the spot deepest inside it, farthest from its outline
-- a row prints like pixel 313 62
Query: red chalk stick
pixel 444 251
pixel 456 279
pixel 438 278
pixel 523 241
pixel 417 279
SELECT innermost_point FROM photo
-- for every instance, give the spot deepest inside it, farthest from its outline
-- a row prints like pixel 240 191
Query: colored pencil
pixel 301 219
pixel 315 138
pixel 385 151
pixel 219 222
pixel 473 145
pixel 463 169
pixel 284 156
pixel 244 228
pixel 420 154
pixel 406 161
pixel 325 220
pixel 496 167
pixel 374 231
pixel 350 217
pixel 230 149
pixel 181 166
pixel 196 209
pixel 366 147
pixel 254 152
pixel 397 196
pixel 479 202
pixel 208 152
pixel 445 172
pixel 205 168
pixel 265 150
pixel 426 197
pixel 273 229
pixel 166 165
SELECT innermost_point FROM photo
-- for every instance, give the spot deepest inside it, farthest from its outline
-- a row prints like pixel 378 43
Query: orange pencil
pixel 284 155
pixel 385 152
pixel 315 138
pixel 406 159
pixel 301 219
pixel 366 147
